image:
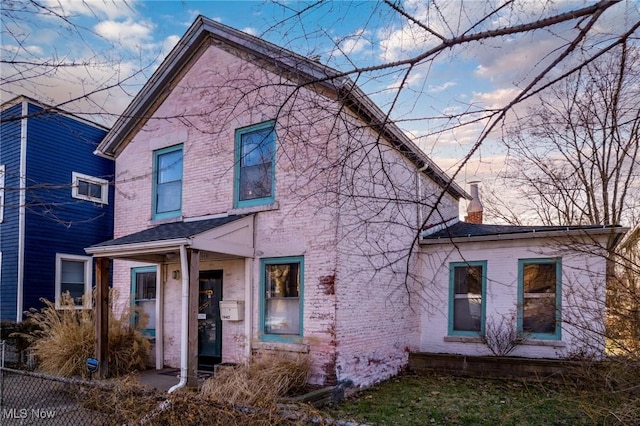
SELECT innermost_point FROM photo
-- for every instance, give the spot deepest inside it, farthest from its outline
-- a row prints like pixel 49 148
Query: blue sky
pixel 124 41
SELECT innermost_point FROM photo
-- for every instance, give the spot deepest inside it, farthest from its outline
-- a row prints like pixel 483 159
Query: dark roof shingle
pixel 170 231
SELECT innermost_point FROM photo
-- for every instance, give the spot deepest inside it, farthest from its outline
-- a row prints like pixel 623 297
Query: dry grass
pixel 67 337
pixel 609 391
pixel 241 396
pixel 260 383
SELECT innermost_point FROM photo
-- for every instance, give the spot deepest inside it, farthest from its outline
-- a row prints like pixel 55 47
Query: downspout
pixel 21 209
pixel 248 305
pixel 160 316
pixel 184 343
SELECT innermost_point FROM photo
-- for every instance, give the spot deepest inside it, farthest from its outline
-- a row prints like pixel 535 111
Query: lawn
pixel 448 400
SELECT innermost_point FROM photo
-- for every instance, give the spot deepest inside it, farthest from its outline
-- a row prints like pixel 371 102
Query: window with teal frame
pixel 143 299
pixel 467 291
pixel 539 298
pixel 255 152
pixel 167 182
pixel 281 300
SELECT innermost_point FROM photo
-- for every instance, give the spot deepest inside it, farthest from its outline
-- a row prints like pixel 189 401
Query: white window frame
pixel 2 173
pixel 104 184
pixel 88 272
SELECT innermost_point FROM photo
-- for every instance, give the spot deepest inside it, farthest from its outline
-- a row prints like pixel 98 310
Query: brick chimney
pixel 474 209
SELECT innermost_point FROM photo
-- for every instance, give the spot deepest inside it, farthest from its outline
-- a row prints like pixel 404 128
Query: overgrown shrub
pixel 609 390
pixel 66 338
pixel 259 383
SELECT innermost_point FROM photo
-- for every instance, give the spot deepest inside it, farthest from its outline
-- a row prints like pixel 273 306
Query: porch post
pixel 102 316
pixel 193 259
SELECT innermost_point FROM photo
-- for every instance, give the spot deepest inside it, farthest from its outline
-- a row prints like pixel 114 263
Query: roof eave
pixel 527 235
pixel 123 250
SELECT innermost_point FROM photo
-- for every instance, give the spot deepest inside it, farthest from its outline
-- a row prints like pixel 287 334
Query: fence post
pixel 102 316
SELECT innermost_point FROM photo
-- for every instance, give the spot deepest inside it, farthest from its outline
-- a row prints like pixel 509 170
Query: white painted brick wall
pixel 359 328
pixel 583 295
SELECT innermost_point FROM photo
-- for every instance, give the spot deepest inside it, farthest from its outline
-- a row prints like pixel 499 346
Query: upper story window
pixel 73 276
pixel 467 289
pixel 167 182
pixel 85 187
pixel 2 172
pixel 255 165
pixel 281 303
pixel 539 295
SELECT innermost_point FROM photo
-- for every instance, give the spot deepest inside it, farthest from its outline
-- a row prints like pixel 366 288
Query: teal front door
pixel 209 322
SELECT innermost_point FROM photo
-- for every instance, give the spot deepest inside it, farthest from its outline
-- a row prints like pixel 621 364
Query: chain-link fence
pixel 28 398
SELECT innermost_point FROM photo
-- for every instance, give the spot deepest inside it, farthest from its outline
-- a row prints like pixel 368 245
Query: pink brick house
pixel 265 205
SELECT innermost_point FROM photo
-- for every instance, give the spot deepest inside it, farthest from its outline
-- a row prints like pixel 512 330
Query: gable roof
pixel 466 231
pixel 304 69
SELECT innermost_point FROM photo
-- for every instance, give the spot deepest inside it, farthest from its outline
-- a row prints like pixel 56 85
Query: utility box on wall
pixel 232 310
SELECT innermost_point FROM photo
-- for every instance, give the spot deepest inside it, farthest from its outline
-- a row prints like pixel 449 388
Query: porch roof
pixel 230 235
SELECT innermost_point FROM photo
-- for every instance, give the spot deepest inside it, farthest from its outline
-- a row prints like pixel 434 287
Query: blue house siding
pixel 54 221
pixel 10 157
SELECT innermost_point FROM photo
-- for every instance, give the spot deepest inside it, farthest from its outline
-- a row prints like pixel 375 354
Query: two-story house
pixel 55 200
pixel 265 204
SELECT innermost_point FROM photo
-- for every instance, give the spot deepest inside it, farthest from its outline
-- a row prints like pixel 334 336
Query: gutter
pixel 184 343
pixel 524 235
pixel 148 247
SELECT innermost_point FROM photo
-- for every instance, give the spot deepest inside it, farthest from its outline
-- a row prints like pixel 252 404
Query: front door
pixel 209 322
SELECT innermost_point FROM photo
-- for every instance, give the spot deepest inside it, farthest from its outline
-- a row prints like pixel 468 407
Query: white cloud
pixel 354 43
pixel 414 79
pixel 495 99
pixel 250 30
pixel 112 9
pixel 168 44
pixel 441 87
pixel 129 34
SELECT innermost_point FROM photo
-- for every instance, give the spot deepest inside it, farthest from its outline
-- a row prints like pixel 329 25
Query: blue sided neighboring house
pixel 56 197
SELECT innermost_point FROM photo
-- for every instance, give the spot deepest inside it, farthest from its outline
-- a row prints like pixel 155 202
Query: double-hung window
pixel 85 187
pixel 282 288
pixel 255 149
pixel 143 290
pixel 539 295
pixel 73 276
pixel 167 182
pixel 467 289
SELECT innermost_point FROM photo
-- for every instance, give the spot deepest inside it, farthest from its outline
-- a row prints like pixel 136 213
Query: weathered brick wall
pixel 301 223
pixel 378 302
pixel 357 320
pixel 582 299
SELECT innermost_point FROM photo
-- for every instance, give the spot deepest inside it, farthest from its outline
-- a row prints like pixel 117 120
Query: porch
pixel 183 253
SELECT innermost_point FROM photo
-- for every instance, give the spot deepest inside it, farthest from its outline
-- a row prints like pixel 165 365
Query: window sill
pixel 301 348
pixel 255 209
pixel 463 339
pixel 165 220
pixel 537 342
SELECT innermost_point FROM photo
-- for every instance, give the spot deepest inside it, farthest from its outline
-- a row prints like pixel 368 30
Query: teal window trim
pixel 237 203
pixel 557 335
pixel 483 303
pixel 285 338
pixel 151 332
pixel 154 207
